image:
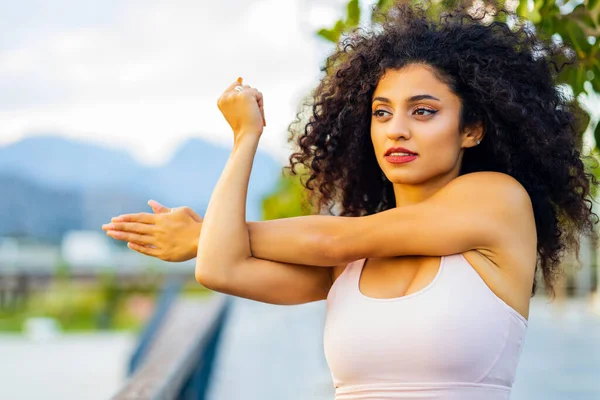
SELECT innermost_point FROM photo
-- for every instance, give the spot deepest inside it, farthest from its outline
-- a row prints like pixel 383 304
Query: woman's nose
pixel 398 130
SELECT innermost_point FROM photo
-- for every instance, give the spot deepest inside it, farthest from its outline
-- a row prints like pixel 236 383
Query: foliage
pixel 106 303
pixel 290 199
pixel 576 23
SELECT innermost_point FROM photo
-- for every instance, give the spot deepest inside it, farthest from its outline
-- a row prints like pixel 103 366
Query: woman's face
pixel 414 126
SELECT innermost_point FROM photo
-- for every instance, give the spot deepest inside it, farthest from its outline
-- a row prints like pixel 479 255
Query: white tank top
pixel 452 340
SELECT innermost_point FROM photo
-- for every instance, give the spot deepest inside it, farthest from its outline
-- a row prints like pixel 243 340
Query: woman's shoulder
pixel 489 179
pixel 492 189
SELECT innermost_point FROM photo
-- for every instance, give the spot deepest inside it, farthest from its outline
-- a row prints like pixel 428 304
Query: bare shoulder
pixel 509 268
pixel 495 186
pixel 503 201
pixel 497 197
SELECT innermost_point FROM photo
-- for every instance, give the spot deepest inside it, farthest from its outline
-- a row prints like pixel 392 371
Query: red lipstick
pixel 399 155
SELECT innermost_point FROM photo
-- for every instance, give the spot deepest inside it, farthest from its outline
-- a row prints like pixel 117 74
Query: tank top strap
pixel 347 283
pixel 353 270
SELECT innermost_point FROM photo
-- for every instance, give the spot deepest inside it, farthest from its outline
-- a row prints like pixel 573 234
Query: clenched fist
pixel 242 107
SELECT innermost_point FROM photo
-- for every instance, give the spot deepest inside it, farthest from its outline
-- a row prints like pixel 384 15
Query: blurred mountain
pixel 62 163
pixel 31 210
pixel 51 184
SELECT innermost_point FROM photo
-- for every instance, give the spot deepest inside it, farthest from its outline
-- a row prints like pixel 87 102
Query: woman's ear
pixel 472 135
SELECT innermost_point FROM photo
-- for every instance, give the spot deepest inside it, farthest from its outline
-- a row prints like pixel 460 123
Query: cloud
pixel 146 75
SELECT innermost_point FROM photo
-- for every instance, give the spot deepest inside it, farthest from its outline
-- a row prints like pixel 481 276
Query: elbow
pixel 208 277
pixel 217 273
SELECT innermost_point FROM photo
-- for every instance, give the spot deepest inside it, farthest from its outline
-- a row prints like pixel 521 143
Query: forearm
pixel 224 241
pixel 309 240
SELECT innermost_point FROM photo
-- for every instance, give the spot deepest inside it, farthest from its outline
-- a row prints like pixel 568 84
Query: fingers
pixel 157 207
pixel 132 227
pixel 149 251
pixel 262 109
pixel 131 237
pixel 144 218
pixel 192 214
pixel 238 82
pixel 262 112
pixel 259 99
pixel 227 101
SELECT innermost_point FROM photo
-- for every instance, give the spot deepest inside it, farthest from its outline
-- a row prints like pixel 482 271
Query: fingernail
pixel 116 219
pixel 108 226
pixel 239 79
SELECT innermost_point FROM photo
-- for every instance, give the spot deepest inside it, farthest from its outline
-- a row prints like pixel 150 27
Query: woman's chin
pixel 404 177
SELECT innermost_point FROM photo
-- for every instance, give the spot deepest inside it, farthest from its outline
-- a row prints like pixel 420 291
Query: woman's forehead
pixel 412 83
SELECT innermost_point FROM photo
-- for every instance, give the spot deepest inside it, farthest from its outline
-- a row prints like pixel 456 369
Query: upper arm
pixel 270 281
pixel 478 211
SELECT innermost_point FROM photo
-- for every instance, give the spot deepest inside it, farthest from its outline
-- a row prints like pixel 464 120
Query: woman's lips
pixel 400 159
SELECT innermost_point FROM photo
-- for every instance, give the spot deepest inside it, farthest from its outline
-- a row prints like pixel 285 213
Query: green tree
pixel 576 23
pixel 290 199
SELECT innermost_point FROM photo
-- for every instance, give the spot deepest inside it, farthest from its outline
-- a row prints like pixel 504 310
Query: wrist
pixel 246 139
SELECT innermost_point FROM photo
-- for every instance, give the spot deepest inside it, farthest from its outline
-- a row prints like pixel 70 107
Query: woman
pixel 451 155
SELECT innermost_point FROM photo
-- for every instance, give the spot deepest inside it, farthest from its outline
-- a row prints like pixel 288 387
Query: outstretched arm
pixel 476 211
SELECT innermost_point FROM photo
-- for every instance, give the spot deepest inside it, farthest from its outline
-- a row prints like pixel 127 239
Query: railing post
pixel 164 303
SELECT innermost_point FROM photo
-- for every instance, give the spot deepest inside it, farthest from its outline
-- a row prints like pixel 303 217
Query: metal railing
pixel 176 351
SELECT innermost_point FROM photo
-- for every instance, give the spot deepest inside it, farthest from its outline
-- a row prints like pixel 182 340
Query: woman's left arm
pixel 481 210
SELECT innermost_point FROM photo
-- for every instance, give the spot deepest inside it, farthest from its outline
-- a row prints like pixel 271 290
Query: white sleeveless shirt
pixel 452 340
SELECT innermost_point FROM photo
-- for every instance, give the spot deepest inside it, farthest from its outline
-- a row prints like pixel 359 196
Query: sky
pixel 146 75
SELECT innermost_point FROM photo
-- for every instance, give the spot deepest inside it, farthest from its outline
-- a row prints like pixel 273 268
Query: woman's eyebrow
pixel 409 100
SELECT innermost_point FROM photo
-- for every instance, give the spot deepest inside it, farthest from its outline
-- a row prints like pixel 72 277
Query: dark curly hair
pixel 505 78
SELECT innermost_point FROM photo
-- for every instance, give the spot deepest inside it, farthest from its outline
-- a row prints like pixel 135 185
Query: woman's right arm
pixel 276 282
pixel 173 236
pixel 224 261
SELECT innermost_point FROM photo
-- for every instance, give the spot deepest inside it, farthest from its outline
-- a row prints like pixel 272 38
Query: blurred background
pixel 107 104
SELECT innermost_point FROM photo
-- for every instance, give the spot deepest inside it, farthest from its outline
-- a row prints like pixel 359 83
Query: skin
pixel 428 127
pixel 485 216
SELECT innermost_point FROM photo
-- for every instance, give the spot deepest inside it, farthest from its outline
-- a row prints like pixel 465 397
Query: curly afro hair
pixel 505 79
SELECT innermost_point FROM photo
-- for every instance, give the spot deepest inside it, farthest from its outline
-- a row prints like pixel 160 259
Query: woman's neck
pixel 411 194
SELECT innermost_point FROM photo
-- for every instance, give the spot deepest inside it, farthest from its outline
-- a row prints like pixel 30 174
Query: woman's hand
pixel 169 234
pixel 243 110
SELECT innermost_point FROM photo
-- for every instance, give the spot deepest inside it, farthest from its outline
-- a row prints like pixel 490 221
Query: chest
pixel 448 328
pixel 395 277
pixel 435 334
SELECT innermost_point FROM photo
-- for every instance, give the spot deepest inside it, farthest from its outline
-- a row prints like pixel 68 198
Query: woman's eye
pixel 419 111
pixel 377 113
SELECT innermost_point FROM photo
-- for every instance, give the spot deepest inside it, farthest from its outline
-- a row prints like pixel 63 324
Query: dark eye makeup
pixel 375 113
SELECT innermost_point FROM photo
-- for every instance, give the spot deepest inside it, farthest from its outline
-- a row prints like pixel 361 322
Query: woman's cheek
pixel 437 160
